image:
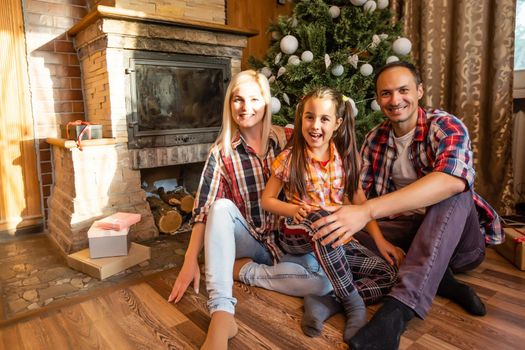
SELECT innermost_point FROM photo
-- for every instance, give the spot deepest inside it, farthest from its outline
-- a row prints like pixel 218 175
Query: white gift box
pixel 106 243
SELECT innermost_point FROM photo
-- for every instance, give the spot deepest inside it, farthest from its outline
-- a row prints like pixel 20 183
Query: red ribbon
pixel 520 239
pixel 86 129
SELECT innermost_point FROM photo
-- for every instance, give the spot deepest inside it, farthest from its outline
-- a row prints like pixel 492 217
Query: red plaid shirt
pixel 240 177
pixel 441 143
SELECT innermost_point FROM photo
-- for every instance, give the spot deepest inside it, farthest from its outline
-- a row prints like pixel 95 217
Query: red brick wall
pixel 54 73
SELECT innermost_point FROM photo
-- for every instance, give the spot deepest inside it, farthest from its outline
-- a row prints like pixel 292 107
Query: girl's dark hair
pixel 344 140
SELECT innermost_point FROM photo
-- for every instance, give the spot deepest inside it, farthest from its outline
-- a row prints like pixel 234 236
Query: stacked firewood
pixel 171 209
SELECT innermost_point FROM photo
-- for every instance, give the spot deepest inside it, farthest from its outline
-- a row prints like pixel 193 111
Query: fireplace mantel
pixel 102 11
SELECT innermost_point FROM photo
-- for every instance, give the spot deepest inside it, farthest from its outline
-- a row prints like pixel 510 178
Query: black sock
pixel 461 294
pixel 355 312
pixel 384 330
pixel 318 309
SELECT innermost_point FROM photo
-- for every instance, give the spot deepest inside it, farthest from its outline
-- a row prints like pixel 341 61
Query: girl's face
pixel 319 124
pixel 247 106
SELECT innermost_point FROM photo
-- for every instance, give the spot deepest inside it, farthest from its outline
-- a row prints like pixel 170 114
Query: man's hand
pixel 342 224
pixel 190 271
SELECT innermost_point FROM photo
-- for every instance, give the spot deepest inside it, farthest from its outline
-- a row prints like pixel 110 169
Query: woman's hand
pixel 190 271
pixel 389 251
pixel 302 212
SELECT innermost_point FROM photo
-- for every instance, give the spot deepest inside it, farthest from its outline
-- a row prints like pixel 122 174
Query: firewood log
pixel 167 218
pixel 185 201
pixel 168 197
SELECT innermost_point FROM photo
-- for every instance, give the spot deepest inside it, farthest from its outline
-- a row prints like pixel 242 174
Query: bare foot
pixel 237 266
pixel 222 327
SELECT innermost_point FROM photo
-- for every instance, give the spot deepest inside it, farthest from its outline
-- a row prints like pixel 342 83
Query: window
pixel 519 51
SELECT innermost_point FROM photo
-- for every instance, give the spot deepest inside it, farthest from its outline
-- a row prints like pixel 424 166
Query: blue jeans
pixel 227 238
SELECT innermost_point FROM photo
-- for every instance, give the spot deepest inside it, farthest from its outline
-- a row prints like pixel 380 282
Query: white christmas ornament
pixel 280 72
pixel 353 60
pixel 366 69
pixel 307 56
pixel 278 58
pixel 402 46
pixel 370 6
pixel 334 11
pixel 338 70
pixel 293 59
pixel 375 41
pixel 375 106
pixel 276 105
pixel 289 44
pixel 267 72
pixel 392 59
pixel 357 2
pixel 327 60
pixel 383 36
pixel 382 4
pixel 286 98
pixel 271 79
pixel 276 35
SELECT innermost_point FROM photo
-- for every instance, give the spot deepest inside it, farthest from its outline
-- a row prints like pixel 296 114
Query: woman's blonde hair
pixel 229 126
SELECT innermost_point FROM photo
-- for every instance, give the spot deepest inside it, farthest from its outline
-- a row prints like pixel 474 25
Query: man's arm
pixel 430 189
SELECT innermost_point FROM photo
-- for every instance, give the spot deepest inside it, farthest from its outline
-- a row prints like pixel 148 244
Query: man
pixel 417 172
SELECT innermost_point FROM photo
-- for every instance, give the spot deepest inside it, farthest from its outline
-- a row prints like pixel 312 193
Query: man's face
pixel 398 96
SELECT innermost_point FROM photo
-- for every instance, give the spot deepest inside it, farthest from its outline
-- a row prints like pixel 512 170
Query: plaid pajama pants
pixel 348 267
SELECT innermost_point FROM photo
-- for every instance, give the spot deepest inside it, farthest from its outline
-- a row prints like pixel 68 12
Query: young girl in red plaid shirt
pixel 320 169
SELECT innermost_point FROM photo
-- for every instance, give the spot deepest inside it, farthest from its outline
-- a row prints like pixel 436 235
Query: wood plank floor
pixel 135 315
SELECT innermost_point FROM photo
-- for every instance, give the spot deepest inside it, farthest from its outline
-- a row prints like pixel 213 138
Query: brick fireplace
pixel 105 176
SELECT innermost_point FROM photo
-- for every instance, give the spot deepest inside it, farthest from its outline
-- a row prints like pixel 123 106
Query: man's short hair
pixel 394 64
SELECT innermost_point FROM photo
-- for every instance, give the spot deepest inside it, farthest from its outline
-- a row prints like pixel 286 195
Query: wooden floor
pixel 135 315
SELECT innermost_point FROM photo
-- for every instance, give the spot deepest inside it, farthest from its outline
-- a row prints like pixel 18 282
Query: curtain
pixel 465 52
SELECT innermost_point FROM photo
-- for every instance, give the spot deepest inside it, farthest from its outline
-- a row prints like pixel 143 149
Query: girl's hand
pixel 189 272
pixel 302 212
pixel 390 252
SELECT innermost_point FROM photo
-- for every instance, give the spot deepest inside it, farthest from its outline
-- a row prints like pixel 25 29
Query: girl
pixel 321 169
pixel 228 219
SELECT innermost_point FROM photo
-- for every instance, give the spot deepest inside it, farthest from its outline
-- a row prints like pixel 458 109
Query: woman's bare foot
pixel 222 327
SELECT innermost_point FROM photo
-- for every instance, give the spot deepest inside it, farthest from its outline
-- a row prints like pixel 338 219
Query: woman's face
pixel 247 106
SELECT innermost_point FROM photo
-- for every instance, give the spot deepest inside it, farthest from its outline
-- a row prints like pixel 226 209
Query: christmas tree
pixel 337 44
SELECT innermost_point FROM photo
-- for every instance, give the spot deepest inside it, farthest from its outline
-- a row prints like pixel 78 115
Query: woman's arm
pixel 190 270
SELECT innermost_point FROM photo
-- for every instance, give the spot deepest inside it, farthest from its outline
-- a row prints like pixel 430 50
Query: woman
pixel 228 218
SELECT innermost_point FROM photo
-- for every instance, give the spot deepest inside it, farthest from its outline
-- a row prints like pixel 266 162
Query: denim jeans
pixel 227 238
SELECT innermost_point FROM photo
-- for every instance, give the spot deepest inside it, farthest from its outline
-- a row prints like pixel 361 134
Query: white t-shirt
pixel 403 172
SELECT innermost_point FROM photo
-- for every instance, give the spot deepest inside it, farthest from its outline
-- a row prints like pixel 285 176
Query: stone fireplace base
pixel 91 184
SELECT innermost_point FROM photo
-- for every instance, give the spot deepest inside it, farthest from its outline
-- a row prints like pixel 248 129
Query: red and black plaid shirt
pixel 441 143
pixel 240 177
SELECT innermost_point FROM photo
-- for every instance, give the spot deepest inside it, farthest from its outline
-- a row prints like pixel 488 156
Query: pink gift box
pixel 117 221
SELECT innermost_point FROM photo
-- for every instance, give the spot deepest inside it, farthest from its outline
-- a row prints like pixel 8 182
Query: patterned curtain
pixel 465 52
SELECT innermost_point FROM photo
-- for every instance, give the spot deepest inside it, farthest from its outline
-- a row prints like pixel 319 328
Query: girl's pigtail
pixel 345 142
